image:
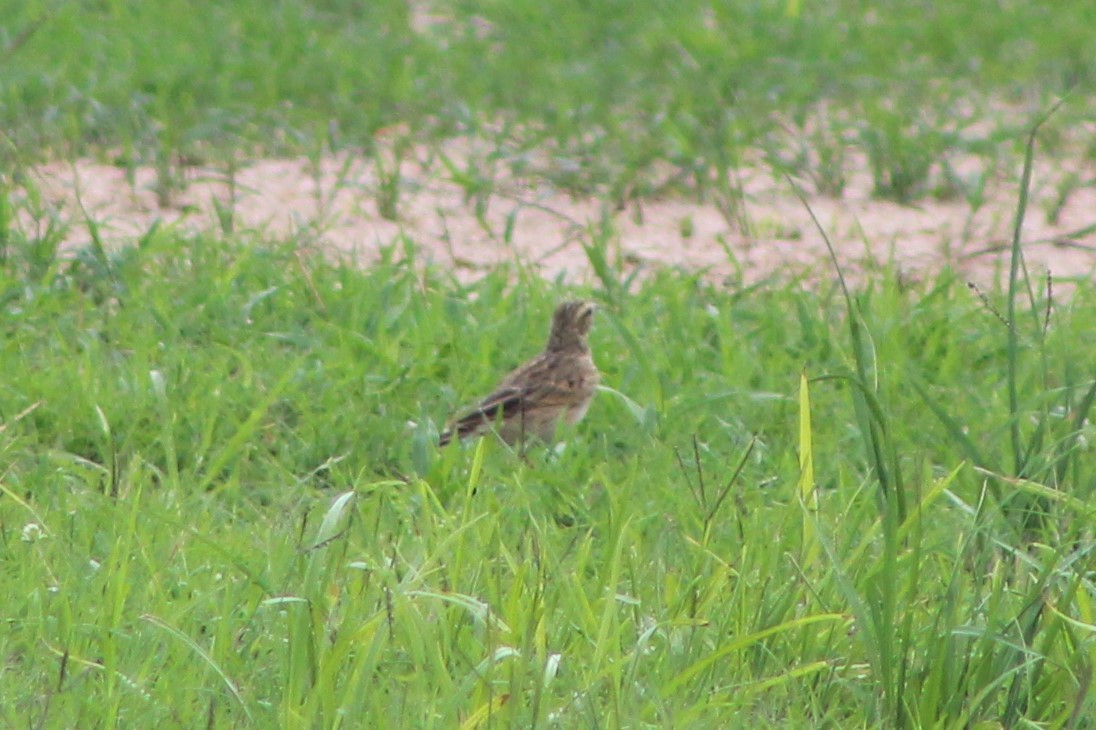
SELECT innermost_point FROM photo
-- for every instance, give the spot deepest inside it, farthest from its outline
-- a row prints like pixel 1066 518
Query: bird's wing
pixel 501 403
pixel 526 387
pixel 504 403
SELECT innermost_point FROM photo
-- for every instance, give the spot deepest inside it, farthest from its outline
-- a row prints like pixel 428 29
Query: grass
pixel 637 95
pixel 221 503
pixel 791 506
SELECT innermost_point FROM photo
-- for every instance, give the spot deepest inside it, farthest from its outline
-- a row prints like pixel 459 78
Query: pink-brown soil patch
pixel 334 204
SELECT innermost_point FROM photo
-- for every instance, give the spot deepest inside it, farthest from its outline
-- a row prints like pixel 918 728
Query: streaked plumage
pixel 556 385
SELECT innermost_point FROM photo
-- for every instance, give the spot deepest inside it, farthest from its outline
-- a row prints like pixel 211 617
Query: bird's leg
pixel 521 434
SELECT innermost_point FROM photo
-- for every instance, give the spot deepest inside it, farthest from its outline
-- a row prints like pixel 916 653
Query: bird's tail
pixel 502 405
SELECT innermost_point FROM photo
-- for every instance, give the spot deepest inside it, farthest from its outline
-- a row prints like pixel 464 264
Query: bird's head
pixel 570 325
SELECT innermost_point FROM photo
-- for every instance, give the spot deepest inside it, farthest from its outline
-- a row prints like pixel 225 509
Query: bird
pixel 556 385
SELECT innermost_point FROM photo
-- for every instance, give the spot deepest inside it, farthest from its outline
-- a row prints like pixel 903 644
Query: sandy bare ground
pixel 335 205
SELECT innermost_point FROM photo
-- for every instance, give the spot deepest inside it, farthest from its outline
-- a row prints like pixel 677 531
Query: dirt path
pixel 336 205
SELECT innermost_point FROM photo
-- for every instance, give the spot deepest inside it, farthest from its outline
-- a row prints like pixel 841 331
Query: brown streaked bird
pixel 556 385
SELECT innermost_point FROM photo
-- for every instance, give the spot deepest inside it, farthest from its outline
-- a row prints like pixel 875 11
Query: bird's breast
pixel 576 413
